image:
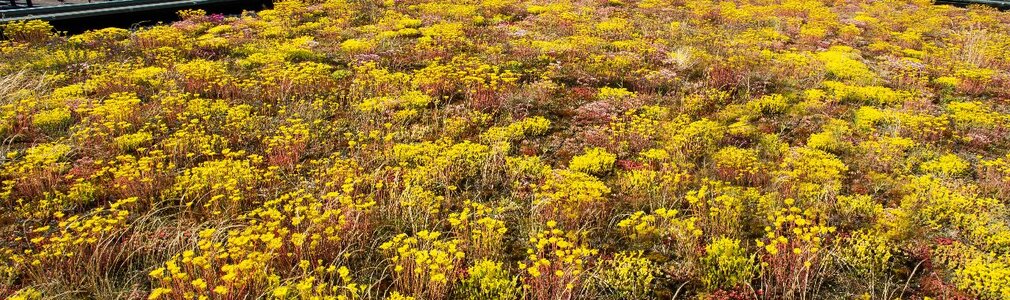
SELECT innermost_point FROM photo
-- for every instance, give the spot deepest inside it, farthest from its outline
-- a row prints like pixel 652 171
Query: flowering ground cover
pixel 509 149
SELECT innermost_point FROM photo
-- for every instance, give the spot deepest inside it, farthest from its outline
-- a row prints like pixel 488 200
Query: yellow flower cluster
pixel 794 230
pixel 737 164
pixel 556 263
pixel 843 63
pixel 867 118
pixel 609 93
pixel 443 161
pixel 572 198
pixel 469 75
pixel 112 116
pixel 40 168
pixel 26 294
pixel 1000 168
pixel 424 265
pixel 696 138
pixel 596 161
pixel 794 240
pixel 31 31
pixel 206 77
pixel 726 264
pixel 488 279
pixel 662 230
pixel 528 127
pixel 485 233
pixel 769 104
pixel 869 256
pixel 329 283
pixel 644 184
pixel 941 206
pixel 636 129
pixel 832 138
pixel 812 173
pixel 968 115
pixel 924 126
pixel 946 165
pixel 65 239
pixel 133 141
pixel 872 95
pixel 218 187
pixel 409 100
pixel 286 147
pixel 987 276
pixel 52 120
pixel 293 232
pixel 630 274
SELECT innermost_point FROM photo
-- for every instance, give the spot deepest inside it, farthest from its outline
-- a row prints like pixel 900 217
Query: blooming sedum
pixel 658 225
pixel 556 263
pixel 488 279
pixel 737 164
pixel 794 239
pixel 630 274
pixel 217 186
pixel 595 161
pixel 505 149
pixel 812 173
pixel 292 233
pixel 727 264
pixel 486 234
pixel 424 264
pixel 573 197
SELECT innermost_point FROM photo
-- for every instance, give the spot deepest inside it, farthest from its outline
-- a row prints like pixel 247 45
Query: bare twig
pixel 910 278
pixel 678 289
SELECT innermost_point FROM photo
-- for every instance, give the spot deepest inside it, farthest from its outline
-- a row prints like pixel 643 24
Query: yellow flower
pixel 280 292
pixel 221 290
pixel 199 284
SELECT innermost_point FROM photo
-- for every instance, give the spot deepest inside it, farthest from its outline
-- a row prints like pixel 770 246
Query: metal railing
pixel 14 4
pixel 995 3
pixel 22 4
pixel 98 8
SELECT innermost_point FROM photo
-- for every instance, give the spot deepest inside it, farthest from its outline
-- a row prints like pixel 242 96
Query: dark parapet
pixel 1001 4
pixel 79 15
